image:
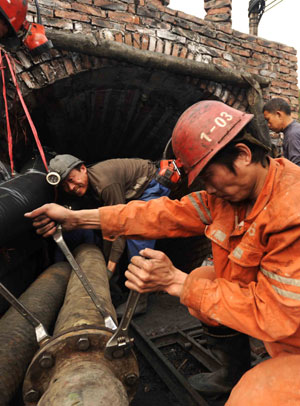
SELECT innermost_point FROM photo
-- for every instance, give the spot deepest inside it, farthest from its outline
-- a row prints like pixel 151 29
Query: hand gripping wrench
pixel 40 331
pixel 100 305
pixel 120 342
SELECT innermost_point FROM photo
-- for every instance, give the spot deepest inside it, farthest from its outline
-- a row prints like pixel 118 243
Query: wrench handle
pixel 40 331
pixel 131 304
pixel 120 342
pixel 98 302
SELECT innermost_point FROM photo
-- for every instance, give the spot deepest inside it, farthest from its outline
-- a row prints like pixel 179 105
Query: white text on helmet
pixel 220 122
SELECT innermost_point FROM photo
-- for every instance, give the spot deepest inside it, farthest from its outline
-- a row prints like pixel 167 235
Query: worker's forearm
pixel 88 219
pixel 176 287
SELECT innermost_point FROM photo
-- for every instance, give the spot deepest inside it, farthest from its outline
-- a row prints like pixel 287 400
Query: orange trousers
pixel 274 382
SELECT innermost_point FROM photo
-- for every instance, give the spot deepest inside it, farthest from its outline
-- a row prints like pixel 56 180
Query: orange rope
pixel 12 68
pixel 9 136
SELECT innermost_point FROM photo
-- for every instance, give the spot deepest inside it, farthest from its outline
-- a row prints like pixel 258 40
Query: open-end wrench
pixel 120 342
pixel 40 331
pixel 98 302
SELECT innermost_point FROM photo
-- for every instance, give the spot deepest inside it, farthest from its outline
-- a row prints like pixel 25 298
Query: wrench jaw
pixel 110 323
pixel 41 335
pixel 118 346
pixel 120 343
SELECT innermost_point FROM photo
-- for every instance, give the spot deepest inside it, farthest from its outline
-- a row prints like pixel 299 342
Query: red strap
pixel 10 62
pixel 9 136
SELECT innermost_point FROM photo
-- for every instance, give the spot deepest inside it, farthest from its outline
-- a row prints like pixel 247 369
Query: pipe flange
pixel 90 344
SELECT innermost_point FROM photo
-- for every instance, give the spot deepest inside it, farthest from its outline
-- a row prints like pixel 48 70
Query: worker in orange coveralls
pixel 250 212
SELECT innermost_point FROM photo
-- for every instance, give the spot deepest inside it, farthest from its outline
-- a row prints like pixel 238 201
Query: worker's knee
pixel 274 382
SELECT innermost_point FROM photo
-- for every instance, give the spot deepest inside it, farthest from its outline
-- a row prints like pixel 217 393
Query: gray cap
pixel 63 164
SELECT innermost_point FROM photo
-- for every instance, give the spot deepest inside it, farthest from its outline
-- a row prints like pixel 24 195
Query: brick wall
pixel 218 11
pixel 151 25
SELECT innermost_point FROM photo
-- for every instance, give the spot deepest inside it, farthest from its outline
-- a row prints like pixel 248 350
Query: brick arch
pixel 145 26
pixel 151 25
pixel 99 108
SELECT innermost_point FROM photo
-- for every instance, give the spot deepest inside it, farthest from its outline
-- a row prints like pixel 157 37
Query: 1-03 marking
pixel 220 121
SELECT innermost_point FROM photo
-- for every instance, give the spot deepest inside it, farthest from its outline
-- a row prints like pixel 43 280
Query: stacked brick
pixel 152 25
pixel 218 11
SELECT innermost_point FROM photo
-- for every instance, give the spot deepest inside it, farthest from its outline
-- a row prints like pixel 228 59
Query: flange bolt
pixel 131 379
pixel 46 361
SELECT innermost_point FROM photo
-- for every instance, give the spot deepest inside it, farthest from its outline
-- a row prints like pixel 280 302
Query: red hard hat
pixel 14 12
pixel 202 130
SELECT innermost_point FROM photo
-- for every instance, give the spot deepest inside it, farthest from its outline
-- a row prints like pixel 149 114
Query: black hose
pixel 38 13
pixel 19 195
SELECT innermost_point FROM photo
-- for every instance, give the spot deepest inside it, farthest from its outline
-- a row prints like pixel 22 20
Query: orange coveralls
pixel 257 264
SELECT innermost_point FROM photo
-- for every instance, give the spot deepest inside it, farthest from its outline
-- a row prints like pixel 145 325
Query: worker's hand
pixel 46 218
pixel 153 271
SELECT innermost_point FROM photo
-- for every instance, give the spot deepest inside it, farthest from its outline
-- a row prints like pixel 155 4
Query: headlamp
pixel 53 178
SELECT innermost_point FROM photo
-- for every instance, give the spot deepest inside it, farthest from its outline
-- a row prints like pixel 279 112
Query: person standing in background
pixel 277 112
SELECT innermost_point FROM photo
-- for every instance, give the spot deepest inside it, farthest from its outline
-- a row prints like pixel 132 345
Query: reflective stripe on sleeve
pixel 281 279
pixel 285 281
pixel 199 211
pixel 286 293
pixel 205 208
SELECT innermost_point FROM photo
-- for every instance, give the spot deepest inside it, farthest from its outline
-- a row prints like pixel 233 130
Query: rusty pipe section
pixel 17 337
pixel 70 369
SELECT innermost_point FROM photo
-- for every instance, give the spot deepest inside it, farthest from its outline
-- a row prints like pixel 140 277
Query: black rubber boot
pixel 232 350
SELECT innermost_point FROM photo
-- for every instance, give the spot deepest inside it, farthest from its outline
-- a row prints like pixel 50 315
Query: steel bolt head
pixel 83 343
pixel 31 396
pixel 46 361
pixel 131 379
pixel 119 353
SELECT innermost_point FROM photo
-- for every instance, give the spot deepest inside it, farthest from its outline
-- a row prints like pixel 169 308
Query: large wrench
pixel 119 343
pixel 40 331
pixel 99 303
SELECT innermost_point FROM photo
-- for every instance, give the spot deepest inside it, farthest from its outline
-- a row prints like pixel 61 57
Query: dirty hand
pixel 153 271
pixel 46 218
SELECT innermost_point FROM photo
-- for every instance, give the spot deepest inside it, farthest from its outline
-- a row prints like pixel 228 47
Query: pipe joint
pixel 87 346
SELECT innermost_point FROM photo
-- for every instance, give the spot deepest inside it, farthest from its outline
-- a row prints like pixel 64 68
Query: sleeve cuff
pixel 193 290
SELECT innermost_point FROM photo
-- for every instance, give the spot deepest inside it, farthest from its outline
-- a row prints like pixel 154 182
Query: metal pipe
pixel 17 337
pixel 71 367
pixel 78 309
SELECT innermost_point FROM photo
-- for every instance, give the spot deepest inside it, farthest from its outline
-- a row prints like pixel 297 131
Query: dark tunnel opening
pixel 112 112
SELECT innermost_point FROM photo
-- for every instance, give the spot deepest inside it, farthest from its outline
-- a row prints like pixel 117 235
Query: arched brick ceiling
pixel 118 110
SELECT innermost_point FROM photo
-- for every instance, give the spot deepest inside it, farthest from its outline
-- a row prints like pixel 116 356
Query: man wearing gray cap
pixel 110 182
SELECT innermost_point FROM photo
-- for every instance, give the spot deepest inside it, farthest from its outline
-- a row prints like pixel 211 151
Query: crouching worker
pixel 106 183
pixel 250 212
